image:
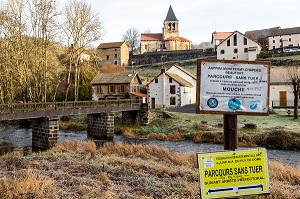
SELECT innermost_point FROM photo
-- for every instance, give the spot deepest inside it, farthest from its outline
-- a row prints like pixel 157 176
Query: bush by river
pixel 117 170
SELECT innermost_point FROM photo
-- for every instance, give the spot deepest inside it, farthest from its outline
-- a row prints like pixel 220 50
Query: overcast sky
pixel 197 18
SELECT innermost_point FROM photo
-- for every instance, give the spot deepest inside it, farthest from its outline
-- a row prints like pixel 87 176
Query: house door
pixel 153 103
pixel 282 99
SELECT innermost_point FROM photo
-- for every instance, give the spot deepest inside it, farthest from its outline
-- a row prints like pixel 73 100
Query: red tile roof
pixel 177 39
pixel 221 35
pixel 138 94
pixel 151 37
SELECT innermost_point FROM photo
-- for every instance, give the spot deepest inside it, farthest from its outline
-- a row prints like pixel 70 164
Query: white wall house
pixel 173 87
pixel 238 47
pixel 289 37
pixel 281 92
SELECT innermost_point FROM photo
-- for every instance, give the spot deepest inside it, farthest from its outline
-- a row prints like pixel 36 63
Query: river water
pixel 22 137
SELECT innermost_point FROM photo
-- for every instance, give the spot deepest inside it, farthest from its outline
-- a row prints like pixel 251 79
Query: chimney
pixel 163 70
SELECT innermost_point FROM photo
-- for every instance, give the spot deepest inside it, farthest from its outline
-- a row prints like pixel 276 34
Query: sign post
pixel 231 88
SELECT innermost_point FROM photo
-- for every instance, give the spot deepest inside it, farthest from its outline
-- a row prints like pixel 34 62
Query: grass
pixel 117 170
pixel 278 131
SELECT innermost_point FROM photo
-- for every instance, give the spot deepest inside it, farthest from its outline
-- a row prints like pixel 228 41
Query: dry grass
pixel 127 132
pixel 117 170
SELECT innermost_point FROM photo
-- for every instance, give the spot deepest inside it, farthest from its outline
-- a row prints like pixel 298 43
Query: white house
pixel 238 47
pixel 173 87
pixel 281 92
pixel 288 37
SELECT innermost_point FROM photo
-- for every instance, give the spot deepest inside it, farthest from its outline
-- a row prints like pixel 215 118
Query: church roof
pixel 171 15
pixel 151 37
pixel 177 39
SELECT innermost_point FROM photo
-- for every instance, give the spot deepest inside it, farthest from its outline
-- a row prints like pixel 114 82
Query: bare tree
pixel 81 28
pixel 294 77
pixel 131 36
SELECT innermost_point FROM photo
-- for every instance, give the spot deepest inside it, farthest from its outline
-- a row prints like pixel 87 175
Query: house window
pixel 273 41
pixel 273 47
pixel 290 39
pixel 111 89
pixel 222 52
pixel 235 40
pixel 107 57
pixel 245 41
pixel 235 50
pixel 116 55
pixel 122 88
pixel 228 42
pixel 156 81
pixel 172 100
pixel 116 50
pixel 135 89
pixel 99 89
pixel 116 62
pixel 170 80
pixel 172 89
pixel 146 47
pixel 245 50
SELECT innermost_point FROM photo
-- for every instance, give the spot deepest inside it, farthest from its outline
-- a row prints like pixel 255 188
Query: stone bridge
pixel 45 117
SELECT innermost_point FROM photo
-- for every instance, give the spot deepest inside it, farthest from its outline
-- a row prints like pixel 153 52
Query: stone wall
pixel 44 132
pixel 101 126
pixel 142 117
pixel 167 56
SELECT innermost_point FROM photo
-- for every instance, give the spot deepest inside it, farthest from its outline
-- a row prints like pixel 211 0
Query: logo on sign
pixel 212 102
pixel 253 104
pixel 234 104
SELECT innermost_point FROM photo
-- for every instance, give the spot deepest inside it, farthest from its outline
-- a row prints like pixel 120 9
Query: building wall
pixel 240 54
pixel 275 90
pixel 124 55
pixel 161 92
pixel 188 78
pixel 151 46
pixel 106 95
pixel 283 41
pixel 118 56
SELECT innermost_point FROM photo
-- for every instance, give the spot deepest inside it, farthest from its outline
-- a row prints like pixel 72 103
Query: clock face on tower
pixel 212 102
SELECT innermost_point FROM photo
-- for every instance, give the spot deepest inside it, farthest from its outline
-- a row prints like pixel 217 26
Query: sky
pixel 197 18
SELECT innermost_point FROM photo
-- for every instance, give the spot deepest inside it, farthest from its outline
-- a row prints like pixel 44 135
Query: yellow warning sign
pixel 234 173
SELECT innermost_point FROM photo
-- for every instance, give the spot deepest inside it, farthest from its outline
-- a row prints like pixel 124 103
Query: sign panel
pixel 233 173
pixel 235 87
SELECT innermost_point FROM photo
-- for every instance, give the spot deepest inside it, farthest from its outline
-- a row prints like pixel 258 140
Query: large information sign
pixel 235 87
pixel 233 173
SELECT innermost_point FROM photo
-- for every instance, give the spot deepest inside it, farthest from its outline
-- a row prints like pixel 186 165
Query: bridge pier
pixel 101 126
pixel 44 132
pixel 140 117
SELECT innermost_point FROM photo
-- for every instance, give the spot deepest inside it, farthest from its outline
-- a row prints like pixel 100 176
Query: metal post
pixel 230 132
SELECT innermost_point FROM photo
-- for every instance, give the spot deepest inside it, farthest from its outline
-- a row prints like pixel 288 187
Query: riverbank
pixel 276 131
pixel 115 170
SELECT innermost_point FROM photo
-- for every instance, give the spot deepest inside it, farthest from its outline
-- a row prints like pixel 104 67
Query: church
pixel 168 40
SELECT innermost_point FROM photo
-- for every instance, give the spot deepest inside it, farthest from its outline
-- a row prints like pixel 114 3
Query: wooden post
pixel 230 132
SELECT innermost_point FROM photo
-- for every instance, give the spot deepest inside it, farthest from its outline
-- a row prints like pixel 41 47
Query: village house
pixel 114 52
pixel 280 38
pixel 173 87
pixel 281 92
pixel 238 47
pixel 168 40
pixel 114 86
pixel 218 37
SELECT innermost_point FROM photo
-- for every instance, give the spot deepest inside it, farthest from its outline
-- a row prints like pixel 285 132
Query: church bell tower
pixel 170 28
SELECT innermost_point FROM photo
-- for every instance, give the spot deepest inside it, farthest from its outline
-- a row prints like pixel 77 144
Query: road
pixel 191 108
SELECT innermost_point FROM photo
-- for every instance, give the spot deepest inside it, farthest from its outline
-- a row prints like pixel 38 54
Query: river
pixel 22 137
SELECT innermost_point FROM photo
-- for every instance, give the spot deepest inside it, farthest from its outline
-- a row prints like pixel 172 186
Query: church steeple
pixel 171 15
pixel 170 28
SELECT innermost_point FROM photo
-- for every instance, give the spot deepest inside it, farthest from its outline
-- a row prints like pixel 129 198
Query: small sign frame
pixel 233 173
pixel 233 87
